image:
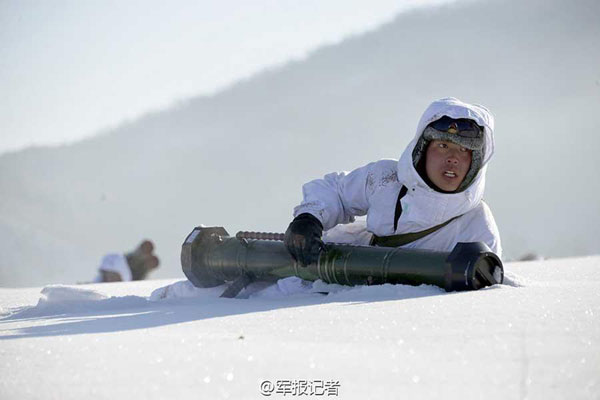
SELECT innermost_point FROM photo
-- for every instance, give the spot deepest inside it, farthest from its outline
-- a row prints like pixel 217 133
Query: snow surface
pixel 537 336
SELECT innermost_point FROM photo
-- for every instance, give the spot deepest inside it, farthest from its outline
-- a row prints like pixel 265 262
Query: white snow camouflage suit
pixel 373 189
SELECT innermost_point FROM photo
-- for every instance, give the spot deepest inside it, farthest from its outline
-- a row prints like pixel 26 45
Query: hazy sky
pixel 69 68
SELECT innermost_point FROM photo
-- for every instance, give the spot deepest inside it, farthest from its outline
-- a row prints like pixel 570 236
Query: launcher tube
pixel 210 257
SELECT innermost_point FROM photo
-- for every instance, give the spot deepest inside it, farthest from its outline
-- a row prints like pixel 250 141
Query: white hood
pixel 454 108
pixel 448 205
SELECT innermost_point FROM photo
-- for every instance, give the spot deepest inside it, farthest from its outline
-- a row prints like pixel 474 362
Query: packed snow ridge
pixel 62 299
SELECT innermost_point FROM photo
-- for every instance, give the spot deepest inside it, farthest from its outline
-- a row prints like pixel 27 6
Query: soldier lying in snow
pixel 432 198
pixel 133 266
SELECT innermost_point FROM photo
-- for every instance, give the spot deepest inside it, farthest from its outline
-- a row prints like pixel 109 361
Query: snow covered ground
pixel 536 337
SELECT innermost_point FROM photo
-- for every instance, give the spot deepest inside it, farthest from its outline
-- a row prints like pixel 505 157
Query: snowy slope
pixel 536 337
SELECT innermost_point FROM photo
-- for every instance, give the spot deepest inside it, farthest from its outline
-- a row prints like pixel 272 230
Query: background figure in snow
pixel 133 266
pixel 431 198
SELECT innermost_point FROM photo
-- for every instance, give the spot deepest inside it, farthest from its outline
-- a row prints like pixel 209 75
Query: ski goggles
pixel 462 127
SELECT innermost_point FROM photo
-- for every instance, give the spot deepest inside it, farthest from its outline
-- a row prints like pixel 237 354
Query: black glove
pixel 303 238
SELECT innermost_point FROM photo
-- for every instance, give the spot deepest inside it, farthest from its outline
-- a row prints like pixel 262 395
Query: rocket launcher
pixel 210 257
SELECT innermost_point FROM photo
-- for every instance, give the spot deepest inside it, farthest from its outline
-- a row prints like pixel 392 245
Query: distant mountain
pixel 238 159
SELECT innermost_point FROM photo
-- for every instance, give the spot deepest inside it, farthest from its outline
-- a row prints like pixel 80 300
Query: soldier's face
pixel 447 164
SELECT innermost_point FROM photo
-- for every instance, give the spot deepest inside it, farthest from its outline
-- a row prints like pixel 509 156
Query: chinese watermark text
pixel 300 387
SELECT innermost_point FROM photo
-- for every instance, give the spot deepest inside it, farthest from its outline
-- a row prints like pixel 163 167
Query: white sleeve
pixel 337 198
pixel 480 226
pixel 493 241
pixel 116 263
